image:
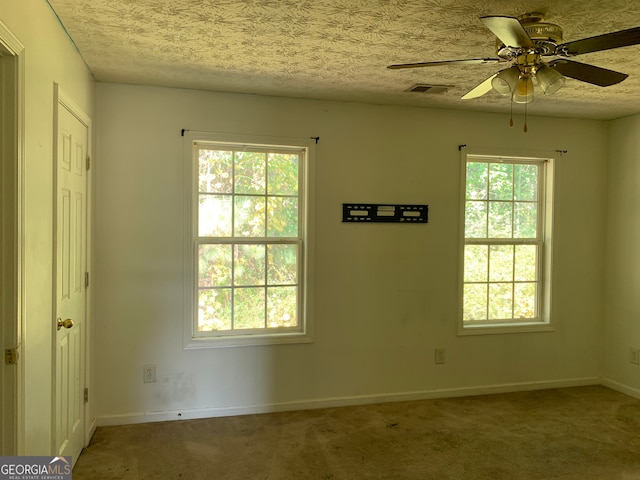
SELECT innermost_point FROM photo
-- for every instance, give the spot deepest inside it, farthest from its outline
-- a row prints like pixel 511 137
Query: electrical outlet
pixel 634 356
pixel 440 356
pixel 149 373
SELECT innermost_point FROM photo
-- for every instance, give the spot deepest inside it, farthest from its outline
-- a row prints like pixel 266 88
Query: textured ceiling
pixel 339 49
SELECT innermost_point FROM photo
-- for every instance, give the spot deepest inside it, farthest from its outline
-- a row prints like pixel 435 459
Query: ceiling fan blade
pixel 623 38
pixel 508 30
pixel 483 88
pixel 588 73
pixel 470 61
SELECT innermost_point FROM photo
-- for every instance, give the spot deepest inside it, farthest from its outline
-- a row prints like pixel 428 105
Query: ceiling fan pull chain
pixel 525 118
pixel 511 113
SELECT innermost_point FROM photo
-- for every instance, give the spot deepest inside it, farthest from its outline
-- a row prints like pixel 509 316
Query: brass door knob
pixel 68 323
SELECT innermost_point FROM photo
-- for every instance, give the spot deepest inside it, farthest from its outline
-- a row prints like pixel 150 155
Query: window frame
pixel 193 339
pixel 543 321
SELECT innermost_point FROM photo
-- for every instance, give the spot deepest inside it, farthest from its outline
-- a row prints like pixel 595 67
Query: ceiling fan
pixel 523 42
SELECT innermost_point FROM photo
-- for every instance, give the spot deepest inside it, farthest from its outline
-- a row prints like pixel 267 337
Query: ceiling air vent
pixel 424 88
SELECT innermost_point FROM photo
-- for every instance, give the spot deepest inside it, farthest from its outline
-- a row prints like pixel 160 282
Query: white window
pixel 505 274
pixel 247 241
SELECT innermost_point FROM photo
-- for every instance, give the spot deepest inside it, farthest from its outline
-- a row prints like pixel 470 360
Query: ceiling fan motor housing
pixel 544 32
pixel 545 37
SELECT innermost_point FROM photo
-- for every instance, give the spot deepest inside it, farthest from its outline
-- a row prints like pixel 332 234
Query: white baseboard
pixel 161 416
pixel 621 387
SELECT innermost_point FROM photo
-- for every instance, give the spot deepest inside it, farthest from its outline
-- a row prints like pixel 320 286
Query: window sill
pixel 247 340
pixel 496 329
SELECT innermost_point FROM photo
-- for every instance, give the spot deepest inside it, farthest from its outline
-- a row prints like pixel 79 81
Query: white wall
pixel 622 326
pixel 379 348
pixel 49 57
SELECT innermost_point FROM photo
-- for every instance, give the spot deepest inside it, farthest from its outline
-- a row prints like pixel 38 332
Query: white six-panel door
pixel 71 258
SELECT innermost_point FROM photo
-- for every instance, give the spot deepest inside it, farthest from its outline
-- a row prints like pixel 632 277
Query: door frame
pixel 62 100
pixel 11 239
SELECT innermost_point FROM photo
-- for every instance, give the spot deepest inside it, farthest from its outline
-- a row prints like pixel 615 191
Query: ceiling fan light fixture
pixel 505 82
pixel 549 79
pixel 524 90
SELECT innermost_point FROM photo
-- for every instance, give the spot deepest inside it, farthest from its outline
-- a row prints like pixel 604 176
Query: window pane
pixel 475 302
pixel 249 239
pixel 283 174
pixel 214 309
pixel 214 216
pixel 500 219
pixel 503 242
pixel 282 217
pixel 500 301
pixel 476 263
pixel 248 308
pixel 501 181
pixel 476 187
pixel 501 263
pixel 249 264
pixel 525 220
pixel 525 179
pixel 525 301
pixel 250 172
pixel 249 216
pixel 475 220
pixel 214 266
pixel 282 264
pixel 282 307
pixel 526 263
pixel 215 168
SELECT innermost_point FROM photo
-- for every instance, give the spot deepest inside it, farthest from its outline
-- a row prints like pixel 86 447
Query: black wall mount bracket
pixel 384 213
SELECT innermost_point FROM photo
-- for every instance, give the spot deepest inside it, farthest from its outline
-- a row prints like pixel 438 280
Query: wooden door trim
pixel 13 226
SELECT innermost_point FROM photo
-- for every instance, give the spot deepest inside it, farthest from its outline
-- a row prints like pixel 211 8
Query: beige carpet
pixel 586 433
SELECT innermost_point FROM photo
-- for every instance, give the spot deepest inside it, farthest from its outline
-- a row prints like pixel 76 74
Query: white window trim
pixel 305 335
pixel 546 324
